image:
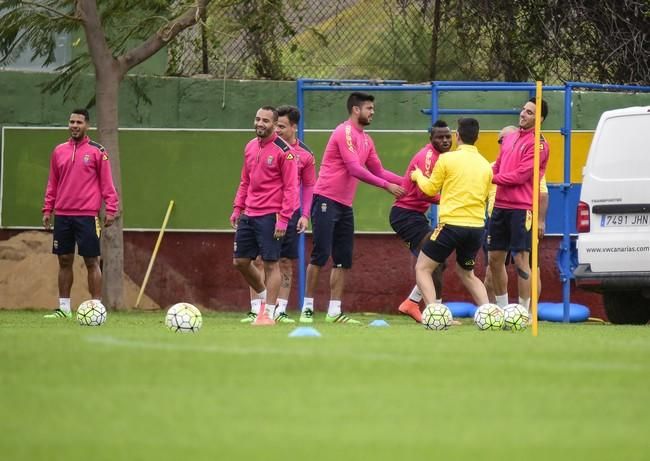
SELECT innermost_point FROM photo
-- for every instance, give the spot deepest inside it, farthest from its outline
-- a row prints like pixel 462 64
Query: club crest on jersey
pixel 290 156
pixel 104 157
pixel 269 160
pixel 86 159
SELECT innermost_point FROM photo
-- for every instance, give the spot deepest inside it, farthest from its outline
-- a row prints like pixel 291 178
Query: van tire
pixel 626 307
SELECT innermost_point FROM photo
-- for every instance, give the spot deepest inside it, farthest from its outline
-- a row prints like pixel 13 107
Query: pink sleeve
pixel 419 161
pixel 109 194
pixel 307 190
pixel 524 170
pixel 496 166
pixel 289 170
pixel 242 189
pixel 350 159
pixel 375 167
pixel 52 186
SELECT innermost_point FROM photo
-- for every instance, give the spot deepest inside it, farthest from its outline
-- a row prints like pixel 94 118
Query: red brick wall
pixel 196 267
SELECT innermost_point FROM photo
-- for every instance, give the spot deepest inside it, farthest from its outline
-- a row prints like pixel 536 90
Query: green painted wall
pixel 200 170
pixel 198 103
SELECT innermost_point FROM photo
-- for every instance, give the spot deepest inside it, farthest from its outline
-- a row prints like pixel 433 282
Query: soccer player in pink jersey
pixel 287 128
pixel 407 216
pixel 264 204
pixel 349 156
pixel 80 178
pixel 511 219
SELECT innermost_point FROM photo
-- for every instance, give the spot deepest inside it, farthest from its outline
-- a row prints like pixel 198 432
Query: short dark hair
pixel 272 109
pixel 83 112
pixel 544 106
pixel 291 112
pixel 468 130
pixel 438 124
pixel 357 98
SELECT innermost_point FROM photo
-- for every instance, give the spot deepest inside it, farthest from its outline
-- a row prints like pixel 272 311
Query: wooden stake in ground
pixel 155 252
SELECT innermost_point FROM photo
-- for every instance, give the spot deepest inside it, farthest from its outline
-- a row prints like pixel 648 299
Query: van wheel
pixel 627 307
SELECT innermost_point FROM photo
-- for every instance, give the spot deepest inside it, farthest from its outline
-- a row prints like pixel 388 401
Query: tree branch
pixel 52 10
pixel 163 36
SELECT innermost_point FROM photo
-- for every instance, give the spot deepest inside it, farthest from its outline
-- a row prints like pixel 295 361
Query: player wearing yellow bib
pixel 464 176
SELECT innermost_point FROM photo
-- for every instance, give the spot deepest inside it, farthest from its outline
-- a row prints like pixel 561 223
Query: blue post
pixel 301 245
pixel 565 260
pixel 434 102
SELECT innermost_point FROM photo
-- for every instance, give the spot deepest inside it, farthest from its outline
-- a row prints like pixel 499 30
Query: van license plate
pixel 622 220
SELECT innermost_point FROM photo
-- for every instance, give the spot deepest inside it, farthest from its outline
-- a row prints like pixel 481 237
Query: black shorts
pixel 82 230
pixel 510 230
pixel 446 238
pixel 333 232
pixel 509 257
pixel 411 226
pixel 255 236
pixel 291 239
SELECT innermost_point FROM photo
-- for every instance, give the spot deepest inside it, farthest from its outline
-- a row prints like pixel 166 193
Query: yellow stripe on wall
pixel 580 142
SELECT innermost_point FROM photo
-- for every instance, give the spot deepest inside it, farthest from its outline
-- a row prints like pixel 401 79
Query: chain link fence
pixel 413 40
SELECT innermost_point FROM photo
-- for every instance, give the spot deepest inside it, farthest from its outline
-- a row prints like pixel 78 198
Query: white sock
pixel 282 306
pixel 269 310
pixel 262 295
pixel 334 309
pixel 256 304
pixel 502 300
pixel 439 301
pixel 416 294
pixel 64 304
pixel 525 303
pixel 308 304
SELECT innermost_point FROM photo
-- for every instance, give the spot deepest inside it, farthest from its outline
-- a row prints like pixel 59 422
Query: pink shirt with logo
pixel 414 198
pixel 80 177
pixel 348 151
pixel 269 180
pixel 306 176
pixel 513 170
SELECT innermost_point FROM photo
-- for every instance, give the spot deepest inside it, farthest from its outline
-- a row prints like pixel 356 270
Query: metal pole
pixel 565 259
pixel 301 242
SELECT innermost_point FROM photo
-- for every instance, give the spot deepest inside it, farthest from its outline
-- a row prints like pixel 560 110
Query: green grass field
pixel 132 390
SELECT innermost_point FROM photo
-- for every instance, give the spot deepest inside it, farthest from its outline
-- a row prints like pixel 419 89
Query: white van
pixel 613 216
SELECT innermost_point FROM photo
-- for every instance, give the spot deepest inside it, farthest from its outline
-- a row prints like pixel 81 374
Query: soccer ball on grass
pixel 91 313
pixel 184 318
pixel 489 317
pixel 515 317
pixel 436 317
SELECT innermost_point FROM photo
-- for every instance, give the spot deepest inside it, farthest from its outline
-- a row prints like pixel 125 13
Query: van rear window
pixel 623 149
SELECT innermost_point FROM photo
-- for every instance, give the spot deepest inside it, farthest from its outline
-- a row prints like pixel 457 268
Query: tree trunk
pixel 107 92
pixel 109 73
pixel 435 37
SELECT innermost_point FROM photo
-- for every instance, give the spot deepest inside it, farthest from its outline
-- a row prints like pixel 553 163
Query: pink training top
pixel 414 198
pixel 306 176
pixel 348 150
pixel 513 170
pixel 269 180
pixel 80 176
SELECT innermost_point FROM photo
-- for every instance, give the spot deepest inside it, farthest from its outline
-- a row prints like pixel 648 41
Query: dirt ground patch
pixel 28 275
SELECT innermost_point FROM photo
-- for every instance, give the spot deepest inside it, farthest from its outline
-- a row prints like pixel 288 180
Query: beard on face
pixel 364 121
pixel 263 132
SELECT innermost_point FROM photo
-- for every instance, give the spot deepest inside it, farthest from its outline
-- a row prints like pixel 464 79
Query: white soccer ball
pixel 91 313
pixel 515 317
pixel 436 317
pixel 489 317
pixel 184 318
